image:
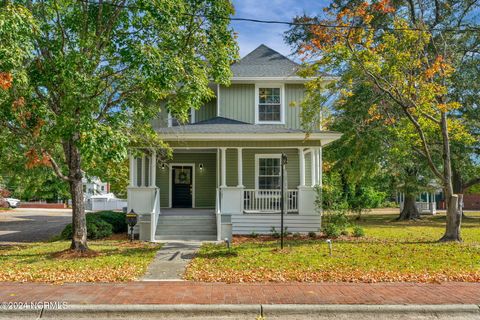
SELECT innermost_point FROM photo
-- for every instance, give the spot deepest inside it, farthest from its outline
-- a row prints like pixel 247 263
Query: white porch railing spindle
pixel 268 201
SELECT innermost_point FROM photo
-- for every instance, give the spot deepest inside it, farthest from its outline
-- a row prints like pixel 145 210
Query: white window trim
pixel 192 117
pixel 281 86
pixel 257 167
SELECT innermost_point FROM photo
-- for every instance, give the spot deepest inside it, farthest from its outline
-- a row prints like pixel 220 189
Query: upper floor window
pixel 269 104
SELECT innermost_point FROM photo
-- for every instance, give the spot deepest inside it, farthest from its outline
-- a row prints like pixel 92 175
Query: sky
pixel 251 35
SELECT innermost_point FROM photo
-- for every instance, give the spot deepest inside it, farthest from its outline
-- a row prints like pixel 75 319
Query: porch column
pixel 132 169
pixel 143 170
pixel 320 166
pixel 223 171
pixel 153 168
pixel 313 169
pixel 240 167
pixel 302 167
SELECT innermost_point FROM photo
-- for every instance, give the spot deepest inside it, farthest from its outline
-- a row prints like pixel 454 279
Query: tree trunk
pixel 409 211
pixel 457 183
pixel 79 223
pixel 454 219
pixel 454 216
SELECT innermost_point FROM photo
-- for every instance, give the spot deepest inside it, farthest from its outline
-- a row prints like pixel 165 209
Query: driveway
pixel 31 225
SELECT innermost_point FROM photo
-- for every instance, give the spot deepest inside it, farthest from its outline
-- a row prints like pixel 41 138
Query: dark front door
pixel 182 187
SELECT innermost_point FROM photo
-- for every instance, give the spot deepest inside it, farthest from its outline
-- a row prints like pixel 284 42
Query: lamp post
pixel 282 196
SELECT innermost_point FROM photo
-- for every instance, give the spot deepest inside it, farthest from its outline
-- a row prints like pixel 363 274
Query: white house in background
pixel 224 176
pixel 94 186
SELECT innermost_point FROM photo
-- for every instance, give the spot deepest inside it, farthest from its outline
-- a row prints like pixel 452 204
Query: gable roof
pixel 264 62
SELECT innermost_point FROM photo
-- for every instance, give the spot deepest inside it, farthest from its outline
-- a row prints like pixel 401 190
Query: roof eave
pixel 325 137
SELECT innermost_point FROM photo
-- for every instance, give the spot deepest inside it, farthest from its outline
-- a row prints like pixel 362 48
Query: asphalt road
pixel 32 225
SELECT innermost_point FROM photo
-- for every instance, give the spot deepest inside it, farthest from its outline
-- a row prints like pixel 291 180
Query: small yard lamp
pixel 329 242
pixel 132 219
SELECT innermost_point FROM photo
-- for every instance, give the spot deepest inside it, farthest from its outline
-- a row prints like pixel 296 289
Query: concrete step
pixel 186 237
pixel 187 233
pixel 181 230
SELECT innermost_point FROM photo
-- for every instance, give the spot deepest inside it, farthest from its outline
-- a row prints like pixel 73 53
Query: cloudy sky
pixel 251 35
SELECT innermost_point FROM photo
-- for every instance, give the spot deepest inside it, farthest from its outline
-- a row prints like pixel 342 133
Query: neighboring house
pixel 224 176
pixel 94 186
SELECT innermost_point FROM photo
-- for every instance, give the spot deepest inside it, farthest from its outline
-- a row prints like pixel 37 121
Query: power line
pixel 318 24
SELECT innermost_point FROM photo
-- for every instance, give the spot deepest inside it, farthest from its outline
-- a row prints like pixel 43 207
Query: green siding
pixel 249 166
pixel 238 102
pixel 294 94
pixel 232 169
pixel 208 111
pixel 205 180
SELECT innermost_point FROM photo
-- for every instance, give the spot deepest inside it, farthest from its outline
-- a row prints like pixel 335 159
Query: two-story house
pixel 224 176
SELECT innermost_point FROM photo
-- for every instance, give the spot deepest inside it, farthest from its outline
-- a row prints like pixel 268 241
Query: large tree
pixel 408 51
pixel 83 78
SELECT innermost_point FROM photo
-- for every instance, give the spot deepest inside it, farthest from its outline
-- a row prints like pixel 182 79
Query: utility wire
pixel 293 23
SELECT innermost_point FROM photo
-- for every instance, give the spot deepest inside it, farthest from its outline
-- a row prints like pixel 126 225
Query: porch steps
pixel 187 227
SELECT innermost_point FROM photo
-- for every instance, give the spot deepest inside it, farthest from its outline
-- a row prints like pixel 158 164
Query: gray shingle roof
pixel 220 125
pixel 264 62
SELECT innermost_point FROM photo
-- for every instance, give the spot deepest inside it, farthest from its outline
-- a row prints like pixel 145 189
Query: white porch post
pixel 153 170
pixel 143 170
pixel 302 167
pixel 240 167
pixel 320 166
pixel 313 169
pixel 132 169
pixel 223 170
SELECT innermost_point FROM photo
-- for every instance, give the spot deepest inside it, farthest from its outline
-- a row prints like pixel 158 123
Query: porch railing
pixel 154 214
pixel 268 201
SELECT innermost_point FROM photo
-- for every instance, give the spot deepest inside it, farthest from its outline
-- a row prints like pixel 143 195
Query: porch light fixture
pixel 200 166
pixel 163 166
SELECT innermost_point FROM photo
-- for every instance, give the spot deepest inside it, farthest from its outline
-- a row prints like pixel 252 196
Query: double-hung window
pixel 268 168
pixel 269 107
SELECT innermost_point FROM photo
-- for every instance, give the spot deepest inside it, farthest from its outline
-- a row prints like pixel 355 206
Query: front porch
pixel 230 183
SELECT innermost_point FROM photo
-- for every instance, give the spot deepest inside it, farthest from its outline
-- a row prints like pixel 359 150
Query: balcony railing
pixel 268 201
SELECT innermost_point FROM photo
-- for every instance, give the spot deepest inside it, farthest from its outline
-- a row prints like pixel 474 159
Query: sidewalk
pixel 182 292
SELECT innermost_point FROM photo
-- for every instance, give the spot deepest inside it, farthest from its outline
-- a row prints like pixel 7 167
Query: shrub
pixel 274 232
pixel 296 235
pixel 97 228
pixel 331 230
pixel 116 219
pixel 358 231
pixel 312 234
pixel 344 232
pixel 254 234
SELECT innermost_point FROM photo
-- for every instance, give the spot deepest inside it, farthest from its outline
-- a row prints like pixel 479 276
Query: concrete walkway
pixel 171 260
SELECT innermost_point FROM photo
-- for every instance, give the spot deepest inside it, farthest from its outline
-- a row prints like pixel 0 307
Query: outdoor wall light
pixel 163 166
pixel 200 166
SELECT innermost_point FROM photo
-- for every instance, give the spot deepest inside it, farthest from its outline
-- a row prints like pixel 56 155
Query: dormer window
pixel 269 104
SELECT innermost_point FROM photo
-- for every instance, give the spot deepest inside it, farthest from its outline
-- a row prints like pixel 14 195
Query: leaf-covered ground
pixel 391 251
pixel 44 262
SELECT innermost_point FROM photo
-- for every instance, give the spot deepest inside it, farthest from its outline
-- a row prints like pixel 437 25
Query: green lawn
pixel 115 261
pixel 390 251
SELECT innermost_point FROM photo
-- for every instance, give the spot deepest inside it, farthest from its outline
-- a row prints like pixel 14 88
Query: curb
pixel 225 310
